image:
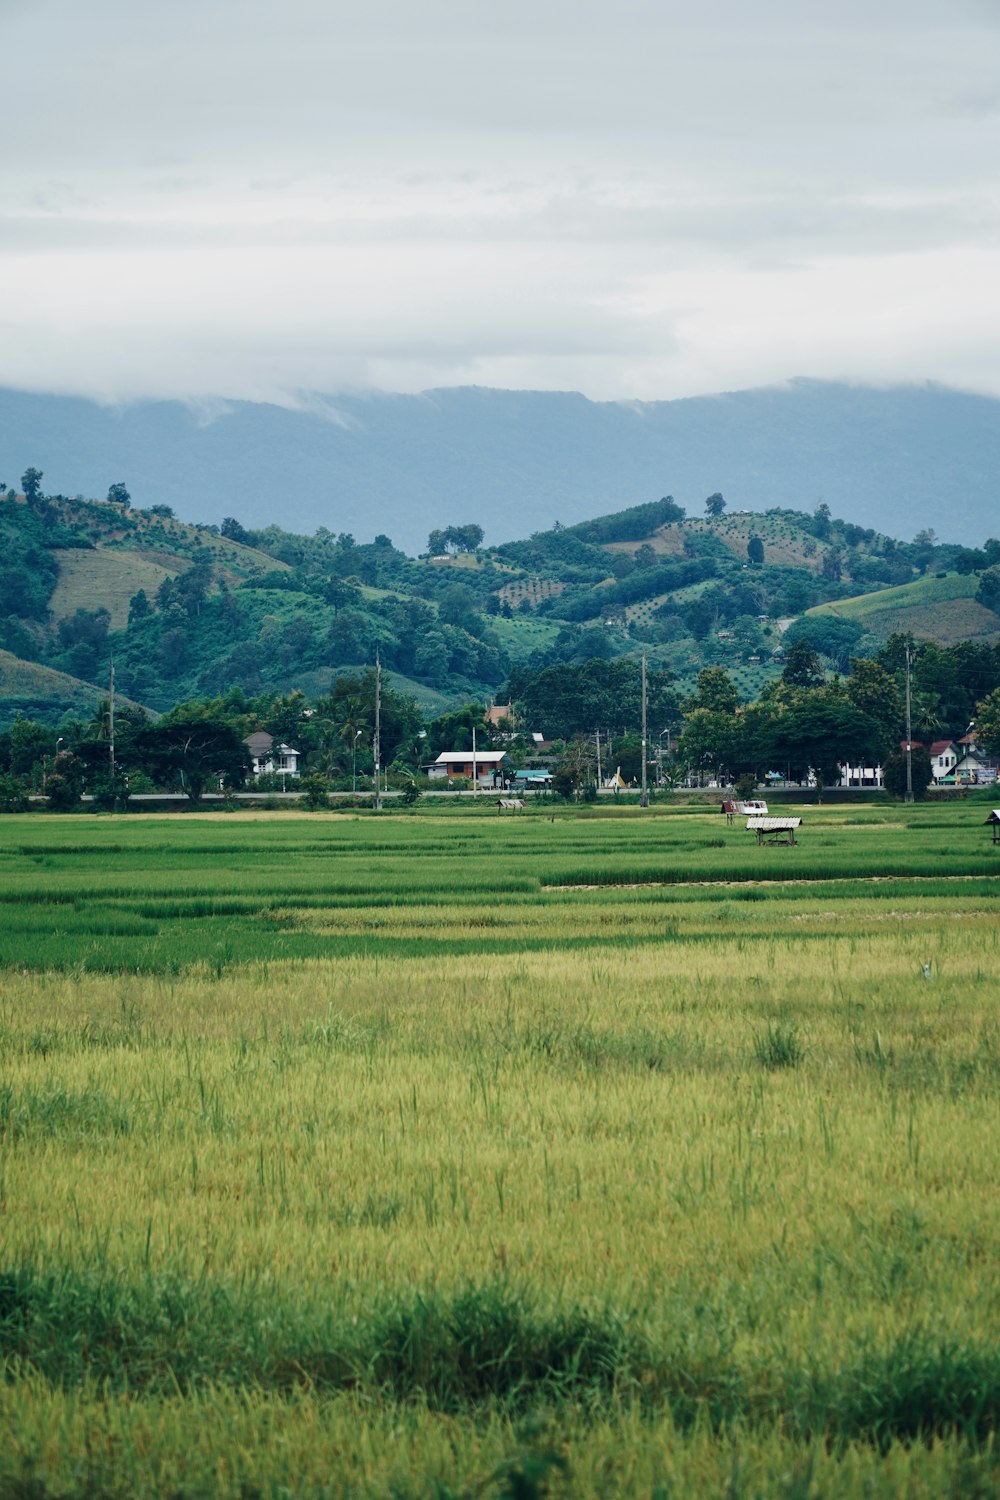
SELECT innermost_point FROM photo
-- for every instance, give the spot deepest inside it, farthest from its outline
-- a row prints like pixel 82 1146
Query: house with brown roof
pixel 486 767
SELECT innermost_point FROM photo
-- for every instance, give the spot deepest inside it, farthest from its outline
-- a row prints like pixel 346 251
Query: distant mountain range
pixel 900 459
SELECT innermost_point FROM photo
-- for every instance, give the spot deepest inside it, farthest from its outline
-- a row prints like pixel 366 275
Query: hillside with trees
pixel 556 623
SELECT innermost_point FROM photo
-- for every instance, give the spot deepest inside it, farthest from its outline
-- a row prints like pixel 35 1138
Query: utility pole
pixel 909 743
pixel 597 736
pixel 377 743
pixel 111 719
pixel 644 799
pixel 475 778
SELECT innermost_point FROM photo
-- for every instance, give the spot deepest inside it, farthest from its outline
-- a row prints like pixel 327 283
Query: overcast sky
pixel 647 199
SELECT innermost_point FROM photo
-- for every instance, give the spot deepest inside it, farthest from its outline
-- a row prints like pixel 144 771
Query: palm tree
pixel 925 714
pixel 351 730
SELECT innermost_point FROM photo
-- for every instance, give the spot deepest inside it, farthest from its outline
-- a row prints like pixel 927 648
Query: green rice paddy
pixel 449 1154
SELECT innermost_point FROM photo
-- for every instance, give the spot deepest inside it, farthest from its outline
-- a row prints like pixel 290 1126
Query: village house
pixel 533 778
pixel 855 776
pixel 945 755
pixel 953 763
pixel 489 767
pixel 501 721
pixel 974 767
pixel 268 759
pixel 500 718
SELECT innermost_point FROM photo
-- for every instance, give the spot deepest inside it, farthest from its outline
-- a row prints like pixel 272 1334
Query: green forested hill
pixel 190 610
pixel 33 691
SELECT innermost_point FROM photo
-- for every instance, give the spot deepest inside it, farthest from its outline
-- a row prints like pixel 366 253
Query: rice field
pixel 452 1155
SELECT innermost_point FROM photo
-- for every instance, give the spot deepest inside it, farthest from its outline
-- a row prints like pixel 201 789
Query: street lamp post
pixel 659 755
pixel 55 757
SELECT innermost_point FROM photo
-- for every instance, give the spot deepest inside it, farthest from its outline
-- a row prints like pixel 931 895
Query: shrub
pixel 315 792
pixel 895 772
pixel 13 797
pixel 111 794
pixel 64 785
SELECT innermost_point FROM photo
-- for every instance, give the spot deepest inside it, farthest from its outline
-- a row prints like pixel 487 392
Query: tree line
pixel 805 721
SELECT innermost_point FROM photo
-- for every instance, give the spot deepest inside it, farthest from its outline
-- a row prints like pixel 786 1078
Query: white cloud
pixel 644 200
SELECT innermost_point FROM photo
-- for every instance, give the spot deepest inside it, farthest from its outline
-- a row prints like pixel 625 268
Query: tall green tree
pixel 706 744
pixel 353 693
pixel 988 592
pixel 829 636
pixel 31 485
pixel 571 698
pixel 802 666
pixel 716 691
pixel 894 772
pixel 31 744
pixel 988 723
pixel 196 752
pixel 453 730
pixel 822 730
pixel 285 718
pixel 873 690
pixel 577 767
pixel 64 782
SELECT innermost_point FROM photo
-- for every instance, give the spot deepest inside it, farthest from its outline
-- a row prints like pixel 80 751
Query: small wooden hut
pixel 774 830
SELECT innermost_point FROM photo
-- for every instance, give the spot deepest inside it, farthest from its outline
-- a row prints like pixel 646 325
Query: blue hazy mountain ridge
pixel 899 459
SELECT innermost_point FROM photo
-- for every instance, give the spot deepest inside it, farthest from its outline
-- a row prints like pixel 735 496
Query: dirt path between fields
pixel 641 885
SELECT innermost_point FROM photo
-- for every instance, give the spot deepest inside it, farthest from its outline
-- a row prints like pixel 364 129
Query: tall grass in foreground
pixel 704 1205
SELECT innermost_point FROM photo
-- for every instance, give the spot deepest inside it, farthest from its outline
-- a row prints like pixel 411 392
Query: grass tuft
pixel 779 1046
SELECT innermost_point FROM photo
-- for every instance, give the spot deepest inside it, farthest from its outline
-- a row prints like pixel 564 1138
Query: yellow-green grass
pixel 784 545
pixel 523 634
pixel 530 586
pixel 704 1203
pixel 940 609
pixel 922 591
pixel 107 578
pixel 26 683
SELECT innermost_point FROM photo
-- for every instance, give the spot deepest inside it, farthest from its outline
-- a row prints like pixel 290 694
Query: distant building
pixel 268 759
pixel 945 755
pixel 974 767
pixel 532 779
pixel 488 771
pixel 861 776
pixel 953 762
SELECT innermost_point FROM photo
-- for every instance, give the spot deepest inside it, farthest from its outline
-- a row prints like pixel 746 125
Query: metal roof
pixel 773 825
pixel 481 756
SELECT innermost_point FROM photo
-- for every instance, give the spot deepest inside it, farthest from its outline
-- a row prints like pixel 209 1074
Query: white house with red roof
pixel 945 755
